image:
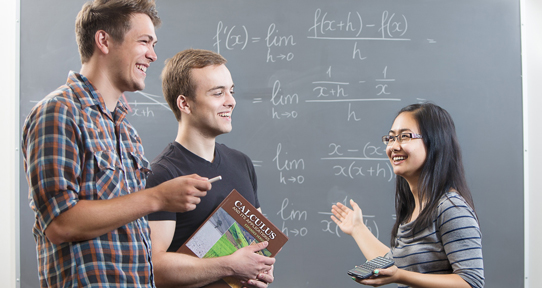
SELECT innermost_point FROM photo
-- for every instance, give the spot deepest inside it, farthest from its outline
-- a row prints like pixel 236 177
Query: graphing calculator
pixel 366 269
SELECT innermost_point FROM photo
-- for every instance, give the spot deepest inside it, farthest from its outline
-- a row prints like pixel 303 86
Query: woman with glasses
pixel 436 240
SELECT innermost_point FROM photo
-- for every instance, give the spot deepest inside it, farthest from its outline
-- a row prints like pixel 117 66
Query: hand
pixel 263 280
pixel 346 218
pixel 249 266
pixel 384 276
pixel 183 193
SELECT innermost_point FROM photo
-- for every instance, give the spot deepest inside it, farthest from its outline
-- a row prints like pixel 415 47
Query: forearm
pixel 419 280
pixel 369 245
pixel 180 270
pixel 92 218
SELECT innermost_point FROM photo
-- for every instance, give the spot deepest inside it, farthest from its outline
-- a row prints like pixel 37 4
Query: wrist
pixel 152 200
pixel 360 229
pixel 400 276
pixel 227 265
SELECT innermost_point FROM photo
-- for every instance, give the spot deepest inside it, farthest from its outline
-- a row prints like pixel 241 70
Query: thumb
pixel 385 272
pixel 258 246
pixel 354 204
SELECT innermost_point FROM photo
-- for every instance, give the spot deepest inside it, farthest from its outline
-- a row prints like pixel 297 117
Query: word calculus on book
pixel 234 224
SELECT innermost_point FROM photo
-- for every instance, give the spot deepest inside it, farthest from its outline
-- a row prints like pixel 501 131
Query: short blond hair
pixel 176 78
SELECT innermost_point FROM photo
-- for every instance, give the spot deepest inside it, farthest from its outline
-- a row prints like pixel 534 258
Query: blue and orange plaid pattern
pixel 72 152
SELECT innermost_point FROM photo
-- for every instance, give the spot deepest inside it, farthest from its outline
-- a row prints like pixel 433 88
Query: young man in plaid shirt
pixel 84 161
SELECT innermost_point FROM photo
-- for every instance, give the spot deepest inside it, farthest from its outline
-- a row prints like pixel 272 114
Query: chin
pixel 225 130
pixel 398 172
pixel 139 87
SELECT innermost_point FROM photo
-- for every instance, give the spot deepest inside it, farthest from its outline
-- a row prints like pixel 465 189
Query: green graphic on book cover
pixel 222 236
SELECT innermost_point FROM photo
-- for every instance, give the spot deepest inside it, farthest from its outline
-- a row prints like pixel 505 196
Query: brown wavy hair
pixel 111 16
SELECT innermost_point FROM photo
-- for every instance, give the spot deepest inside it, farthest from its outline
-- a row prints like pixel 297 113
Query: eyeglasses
pixel 401 138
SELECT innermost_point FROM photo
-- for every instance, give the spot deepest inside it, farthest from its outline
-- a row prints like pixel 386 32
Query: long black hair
pixel 442 171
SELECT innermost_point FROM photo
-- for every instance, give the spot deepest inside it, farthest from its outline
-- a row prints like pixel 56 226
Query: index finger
pixel 197 177
pixel 203 185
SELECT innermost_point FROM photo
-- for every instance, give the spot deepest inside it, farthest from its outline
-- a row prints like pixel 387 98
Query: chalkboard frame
pixel 42 46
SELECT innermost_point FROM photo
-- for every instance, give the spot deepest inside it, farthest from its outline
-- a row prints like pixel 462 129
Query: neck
pixel 196 142
pixel 413 184
pixel 99 78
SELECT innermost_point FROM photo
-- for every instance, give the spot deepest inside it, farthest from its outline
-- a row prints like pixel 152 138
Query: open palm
pixel 346 218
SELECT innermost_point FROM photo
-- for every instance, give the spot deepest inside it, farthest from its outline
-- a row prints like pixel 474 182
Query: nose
pixel 395 146
pixel 230 100
pixel 151 54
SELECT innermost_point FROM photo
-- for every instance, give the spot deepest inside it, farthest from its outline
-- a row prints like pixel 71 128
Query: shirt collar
pixel 90 96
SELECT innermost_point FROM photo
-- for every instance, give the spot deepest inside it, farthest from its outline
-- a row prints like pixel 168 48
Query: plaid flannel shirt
pixel 74 149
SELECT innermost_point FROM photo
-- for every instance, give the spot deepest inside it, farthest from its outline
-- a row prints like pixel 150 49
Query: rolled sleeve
pixel 53 166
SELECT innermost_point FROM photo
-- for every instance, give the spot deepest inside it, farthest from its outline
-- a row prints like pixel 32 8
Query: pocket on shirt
pixel 141 168
pixel 107 177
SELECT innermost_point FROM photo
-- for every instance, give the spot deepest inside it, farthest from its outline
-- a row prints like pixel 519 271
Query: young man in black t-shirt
pixel 199 89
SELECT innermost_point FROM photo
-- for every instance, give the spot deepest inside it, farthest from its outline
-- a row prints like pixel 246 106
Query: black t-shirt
pixel 237 172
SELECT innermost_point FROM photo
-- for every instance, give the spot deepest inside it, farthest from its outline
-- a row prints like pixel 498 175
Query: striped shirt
pixel 74 149
pixel 453 244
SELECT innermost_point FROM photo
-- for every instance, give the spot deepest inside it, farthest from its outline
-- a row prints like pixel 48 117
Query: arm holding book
pixel 177 269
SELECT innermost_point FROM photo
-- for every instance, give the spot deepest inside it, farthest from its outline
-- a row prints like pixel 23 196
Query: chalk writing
pixel 145 112
pixel 332 228
pixel 328 91
pixel 350 26
pixel 279 99
pixel 329 225
pixel 354 167
pixel 138 108
pixel 288 214
pixel 285 165
pixel 237 37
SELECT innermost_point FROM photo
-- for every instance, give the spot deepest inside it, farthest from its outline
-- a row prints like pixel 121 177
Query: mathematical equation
pixel 295 222
pixel 349 26
pixel 353 163
pixel 350 160
pixel 143 108
pixel 336 89
pixel 234 37
pixel 286 104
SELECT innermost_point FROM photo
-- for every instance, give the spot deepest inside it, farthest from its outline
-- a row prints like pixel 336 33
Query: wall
pixel 9 152
pixel 532 89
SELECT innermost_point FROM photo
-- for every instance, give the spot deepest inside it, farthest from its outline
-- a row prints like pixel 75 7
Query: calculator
pixel 366 269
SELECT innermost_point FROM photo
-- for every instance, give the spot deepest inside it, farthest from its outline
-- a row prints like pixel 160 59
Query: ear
pixel 183 105
pixel 102 41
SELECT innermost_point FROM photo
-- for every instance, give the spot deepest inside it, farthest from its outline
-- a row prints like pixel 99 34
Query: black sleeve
pixel 254 181
pixel 160 174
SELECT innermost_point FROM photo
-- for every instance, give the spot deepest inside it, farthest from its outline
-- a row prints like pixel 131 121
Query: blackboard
pixel 317 84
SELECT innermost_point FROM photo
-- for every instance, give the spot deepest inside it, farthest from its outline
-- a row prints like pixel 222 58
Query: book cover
pixel 234 224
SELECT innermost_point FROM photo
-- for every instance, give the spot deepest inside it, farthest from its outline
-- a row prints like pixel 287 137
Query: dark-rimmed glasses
pixel 401 138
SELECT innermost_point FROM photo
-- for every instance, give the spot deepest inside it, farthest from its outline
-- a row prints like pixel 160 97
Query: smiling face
pixel 132 57
pixel 408 158
pixel 212 106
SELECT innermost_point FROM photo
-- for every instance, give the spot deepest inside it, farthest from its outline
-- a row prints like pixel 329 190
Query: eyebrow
pixel 219 87
pixel 401 130
pixel 151 38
